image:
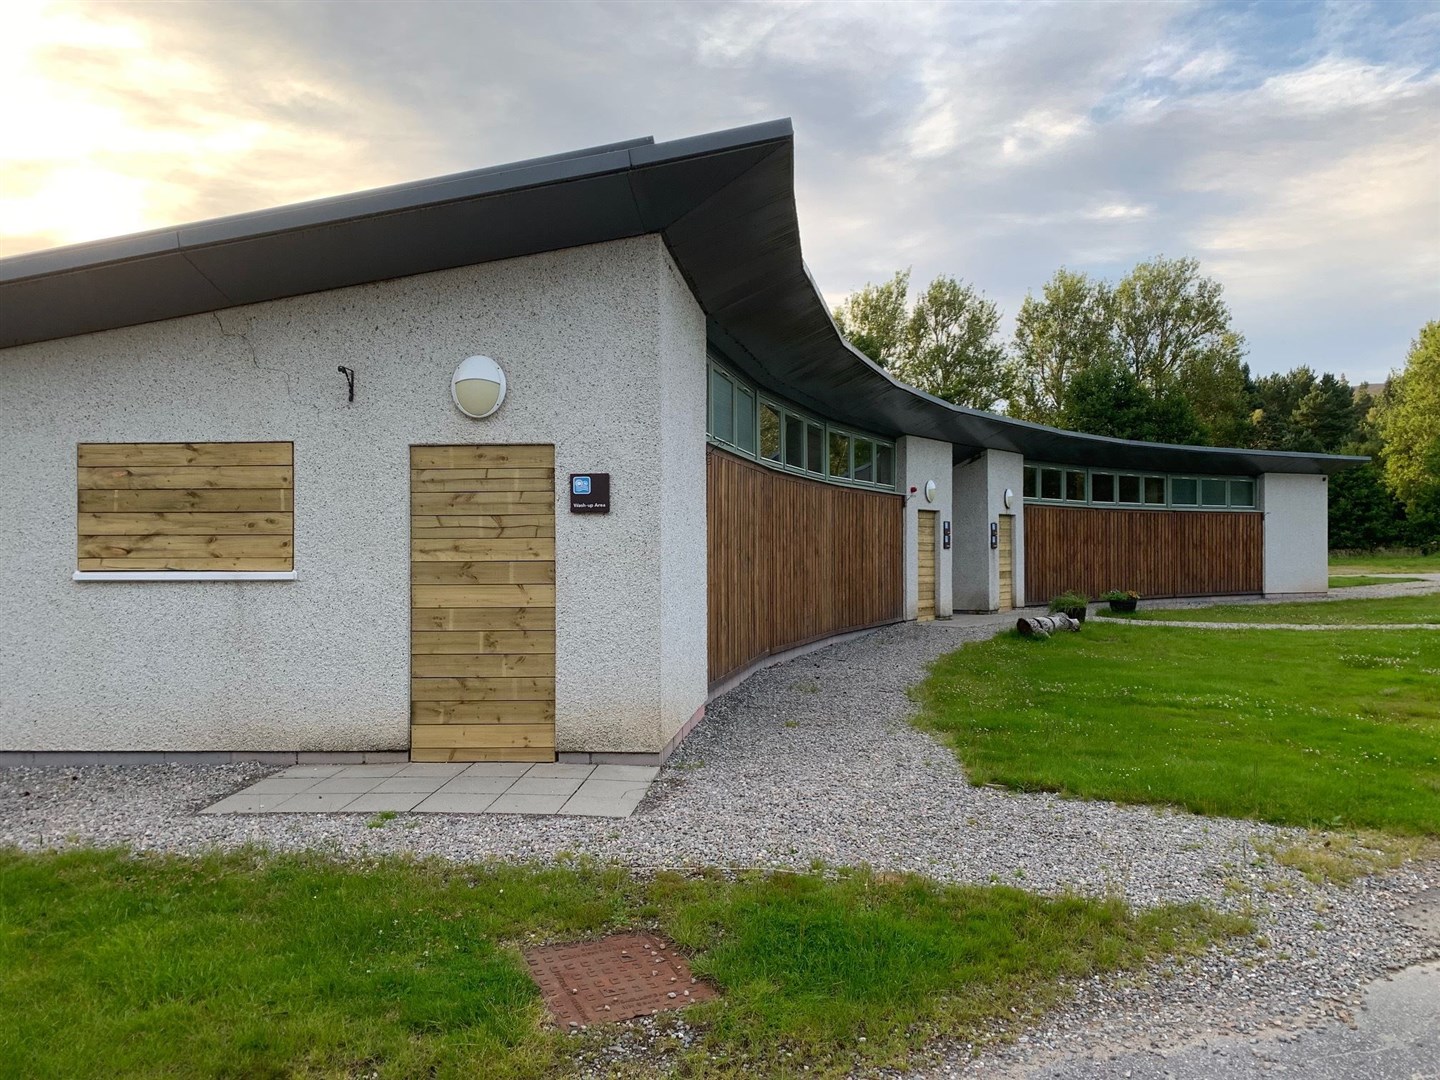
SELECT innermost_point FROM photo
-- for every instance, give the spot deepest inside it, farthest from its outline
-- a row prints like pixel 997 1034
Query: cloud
pixel 1291 148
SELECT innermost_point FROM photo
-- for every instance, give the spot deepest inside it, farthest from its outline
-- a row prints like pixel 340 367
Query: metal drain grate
pixel 615 978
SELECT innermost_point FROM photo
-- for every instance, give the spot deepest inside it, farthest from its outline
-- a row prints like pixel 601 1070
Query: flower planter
pixel 1123 607
pixel 1077 613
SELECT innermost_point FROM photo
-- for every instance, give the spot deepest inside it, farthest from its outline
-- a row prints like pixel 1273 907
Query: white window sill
pixel 183 575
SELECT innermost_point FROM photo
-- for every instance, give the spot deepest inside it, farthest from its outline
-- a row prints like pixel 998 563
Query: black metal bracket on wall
pixel 349 373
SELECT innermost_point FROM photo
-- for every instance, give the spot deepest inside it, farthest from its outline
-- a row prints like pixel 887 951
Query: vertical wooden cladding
pixel 482 596
pixel 1005 548
pixel 925 568
pixel 1155 552
pixel 185 506
pixel 794 560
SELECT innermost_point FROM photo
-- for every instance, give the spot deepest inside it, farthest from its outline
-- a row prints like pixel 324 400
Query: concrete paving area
pixel 481 788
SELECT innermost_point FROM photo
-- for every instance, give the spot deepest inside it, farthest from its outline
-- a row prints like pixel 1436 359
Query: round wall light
pixel 1009 498
pixel 478 386
pixel 929 490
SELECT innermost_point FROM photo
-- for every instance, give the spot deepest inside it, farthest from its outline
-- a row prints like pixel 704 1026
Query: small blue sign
pixel 580 485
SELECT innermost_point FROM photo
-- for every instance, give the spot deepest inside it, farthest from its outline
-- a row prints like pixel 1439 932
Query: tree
pixel 1058 335
pixel 1273 400
pixel 951 346
pixel 946 344
pixel 1173 327
pixel 873 319
pixel 1325 419
pixel 1107 399
pixel 1408 421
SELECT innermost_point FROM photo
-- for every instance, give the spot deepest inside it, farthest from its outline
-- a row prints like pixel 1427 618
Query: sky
pixel 1293 149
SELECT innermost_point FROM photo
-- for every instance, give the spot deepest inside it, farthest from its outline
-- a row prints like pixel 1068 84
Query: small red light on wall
pixel 913 489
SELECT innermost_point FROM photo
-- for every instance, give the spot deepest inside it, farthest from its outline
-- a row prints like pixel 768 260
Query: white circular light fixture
pixel 478 386
pixel 1009 498
pixel 929 490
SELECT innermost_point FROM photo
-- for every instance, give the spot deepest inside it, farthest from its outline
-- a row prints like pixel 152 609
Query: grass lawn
pixel 1391 609
pixel 249 965
pixel 1299 728
pixel 1381 562
pixel 1349 581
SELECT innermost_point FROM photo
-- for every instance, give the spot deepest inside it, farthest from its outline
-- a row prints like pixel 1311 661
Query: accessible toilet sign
pixel 590 493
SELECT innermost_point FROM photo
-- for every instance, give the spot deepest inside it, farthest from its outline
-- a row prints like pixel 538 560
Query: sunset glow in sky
pixel 1293 149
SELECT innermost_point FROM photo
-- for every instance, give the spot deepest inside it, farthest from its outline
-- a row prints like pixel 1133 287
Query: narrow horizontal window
pixel 1154 491
pixel 1051 484
pixel 1242 493
pixel 745 419
pixel 1184 491
pixel 794 441
pixel 1102 487
pixel 1075 486
pixel 769 432
pixel 1213 493
pixel 815 448
pixel 1129 489
pixel 1032 482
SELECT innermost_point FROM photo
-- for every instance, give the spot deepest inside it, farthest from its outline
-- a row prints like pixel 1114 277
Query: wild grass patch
pixel 253 965
pixel 1298 728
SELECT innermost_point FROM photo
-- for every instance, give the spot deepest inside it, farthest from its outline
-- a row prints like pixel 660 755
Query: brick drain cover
pixel 615 978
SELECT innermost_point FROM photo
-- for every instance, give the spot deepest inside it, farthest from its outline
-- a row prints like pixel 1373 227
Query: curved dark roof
pixel 724 203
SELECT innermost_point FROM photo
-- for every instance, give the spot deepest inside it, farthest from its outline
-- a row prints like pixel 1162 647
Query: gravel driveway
pixel 814 760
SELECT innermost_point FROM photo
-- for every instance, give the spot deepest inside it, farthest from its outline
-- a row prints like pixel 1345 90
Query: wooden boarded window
pixel 482 624
pixel 186 506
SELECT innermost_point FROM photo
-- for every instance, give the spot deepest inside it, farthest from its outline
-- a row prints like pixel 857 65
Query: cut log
pixel 1045 625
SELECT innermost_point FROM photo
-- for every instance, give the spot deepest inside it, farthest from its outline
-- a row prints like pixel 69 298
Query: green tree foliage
pixel 873 319
pixel 1408 420
pixel 1173 329
pixel 1108 399
pixel 1057 335
pixel 947 344
pixel 1363 512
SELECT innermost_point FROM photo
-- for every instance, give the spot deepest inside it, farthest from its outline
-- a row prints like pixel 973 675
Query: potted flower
pixel 1121 601
pixel 1072 603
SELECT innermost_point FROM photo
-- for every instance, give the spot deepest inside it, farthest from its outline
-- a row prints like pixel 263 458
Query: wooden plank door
pixel 482 598
pixel 926 555
pixel 1007 562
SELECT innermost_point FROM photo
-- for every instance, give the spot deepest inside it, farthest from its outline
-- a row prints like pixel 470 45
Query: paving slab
pixel 644 773
pixel 558 770
pixel 526 804
pixel 467 784
pixel 433 768
pixel 344 785
pixel 498 768
pixel 290 785
pixel 308 802
pixel 316 771
pixel 378 802
pixel 387 769
pixel 544 785
pixel 423 785
pixel 246 802
pixel 581 806
pixel 460 803
pixel 613 789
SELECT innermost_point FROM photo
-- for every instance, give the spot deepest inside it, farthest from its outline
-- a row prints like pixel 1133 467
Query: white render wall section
pixel 979 501
pixel 921 460
pixel 597 344
pixel 1297 533
pixel 681 501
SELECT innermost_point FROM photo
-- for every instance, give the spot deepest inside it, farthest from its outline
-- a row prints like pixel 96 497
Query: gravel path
pixel 814 760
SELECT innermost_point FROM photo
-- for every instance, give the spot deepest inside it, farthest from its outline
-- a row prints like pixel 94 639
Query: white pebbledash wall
pixel 980 486
pixel 604 350
pixel 921 460
pixel 1297 533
